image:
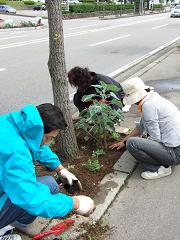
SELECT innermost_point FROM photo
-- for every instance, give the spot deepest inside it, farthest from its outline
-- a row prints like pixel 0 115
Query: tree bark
pixel 57 69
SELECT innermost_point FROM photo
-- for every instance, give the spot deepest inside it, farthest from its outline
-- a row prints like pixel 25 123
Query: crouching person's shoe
pixel 6 233
pixel 10 237
pixel 162 172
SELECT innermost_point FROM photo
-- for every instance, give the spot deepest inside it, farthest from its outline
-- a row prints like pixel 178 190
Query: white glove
pixel 68 177
pixel 86 206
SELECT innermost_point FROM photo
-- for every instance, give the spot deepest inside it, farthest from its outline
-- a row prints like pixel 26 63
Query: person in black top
pixel 83 79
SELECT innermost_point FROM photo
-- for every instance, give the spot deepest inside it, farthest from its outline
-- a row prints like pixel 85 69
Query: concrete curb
pixel 142 62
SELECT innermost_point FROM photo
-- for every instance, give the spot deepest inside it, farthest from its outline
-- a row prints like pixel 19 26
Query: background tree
pixel 57 69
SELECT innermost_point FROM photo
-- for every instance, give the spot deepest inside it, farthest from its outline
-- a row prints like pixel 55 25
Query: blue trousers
pixel 11 213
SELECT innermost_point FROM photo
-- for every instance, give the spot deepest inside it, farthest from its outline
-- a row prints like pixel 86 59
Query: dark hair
pixel 79 77
pixel 52 117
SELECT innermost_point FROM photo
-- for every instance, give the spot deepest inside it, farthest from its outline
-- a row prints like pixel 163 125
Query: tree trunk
pixel 57 69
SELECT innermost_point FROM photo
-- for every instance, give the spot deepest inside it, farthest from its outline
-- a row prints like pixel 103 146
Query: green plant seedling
pixel 115 136
pixel 99 119
pixel 83 147
pixel 93 165
pixel 98 152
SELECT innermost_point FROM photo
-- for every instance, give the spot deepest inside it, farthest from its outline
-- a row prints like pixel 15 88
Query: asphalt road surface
pixel 102 45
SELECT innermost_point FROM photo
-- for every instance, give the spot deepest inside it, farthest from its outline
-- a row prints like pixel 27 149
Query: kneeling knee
pixel 54 187
pixel 131 143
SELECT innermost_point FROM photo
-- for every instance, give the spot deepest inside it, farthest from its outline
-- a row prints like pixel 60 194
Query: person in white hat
pixel 161 121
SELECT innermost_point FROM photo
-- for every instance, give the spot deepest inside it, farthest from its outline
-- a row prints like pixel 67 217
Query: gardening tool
pixel 56 229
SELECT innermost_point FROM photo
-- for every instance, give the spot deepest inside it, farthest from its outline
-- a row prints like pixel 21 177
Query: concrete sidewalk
pixel 151 209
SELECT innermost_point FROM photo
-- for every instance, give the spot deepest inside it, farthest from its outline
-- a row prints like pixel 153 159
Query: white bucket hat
pixel 134 89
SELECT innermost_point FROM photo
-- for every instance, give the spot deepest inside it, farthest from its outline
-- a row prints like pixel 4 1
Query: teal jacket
pixel 21 134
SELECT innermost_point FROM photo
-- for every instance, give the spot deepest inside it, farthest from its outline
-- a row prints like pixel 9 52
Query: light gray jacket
pixel 161 120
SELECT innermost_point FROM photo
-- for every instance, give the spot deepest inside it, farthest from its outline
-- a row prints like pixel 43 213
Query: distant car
pixel 74 1
pixel 175 12
pixel 71 1
pixel 39 7
pixel 7 9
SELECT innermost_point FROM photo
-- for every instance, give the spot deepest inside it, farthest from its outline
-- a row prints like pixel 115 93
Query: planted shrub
pixel 99 119
pixel 83 8
pixel 157 6
pixel 29 2
pixel 27 24
pixel 115 136
pixel 98 152
pixel 8 25
pixel 93 165
pixel 2 2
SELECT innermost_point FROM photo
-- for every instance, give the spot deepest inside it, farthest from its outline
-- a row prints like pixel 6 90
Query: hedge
pixel 16 4
pixel 29 2
pixel 3 2
pixel 83 8
pixel 157 6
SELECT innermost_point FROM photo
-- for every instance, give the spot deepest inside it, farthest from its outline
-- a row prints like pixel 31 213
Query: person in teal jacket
pixel 24 139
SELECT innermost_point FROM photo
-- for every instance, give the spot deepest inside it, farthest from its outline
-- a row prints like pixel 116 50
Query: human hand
pixel 118 145
pixel 83 205
pixel 68 178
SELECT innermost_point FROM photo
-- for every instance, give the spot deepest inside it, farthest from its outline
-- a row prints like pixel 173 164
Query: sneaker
pixel 6 230
pixel 162 172
pixel 6 233
pixel 11 237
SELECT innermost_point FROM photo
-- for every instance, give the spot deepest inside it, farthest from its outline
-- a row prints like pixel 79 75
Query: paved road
pixel 104 46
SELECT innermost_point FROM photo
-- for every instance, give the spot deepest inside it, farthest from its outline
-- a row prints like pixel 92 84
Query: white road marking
pixel 2 69
pixel 12 45
pixel 112 27
pixel 83 26
pixel 16 32
pixel 160 26
pixel 136 61
pixel 110 40
pixel 6 38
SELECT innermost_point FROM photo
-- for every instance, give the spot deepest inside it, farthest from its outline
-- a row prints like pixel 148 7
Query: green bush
pixel 93 165
pixel 98 152
pixel 16 4
pixel 83 8
pixel 29 2
pixel 97 121
pixel 30 24
pixel 8 25
pixel 157 6
pixel 3 2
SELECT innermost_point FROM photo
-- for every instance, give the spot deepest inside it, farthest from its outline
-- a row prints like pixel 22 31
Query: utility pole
pixel 141 6
pixel 67 7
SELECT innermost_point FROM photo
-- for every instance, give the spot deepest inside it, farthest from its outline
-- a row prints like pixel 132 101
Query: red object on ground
pixel 56 230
